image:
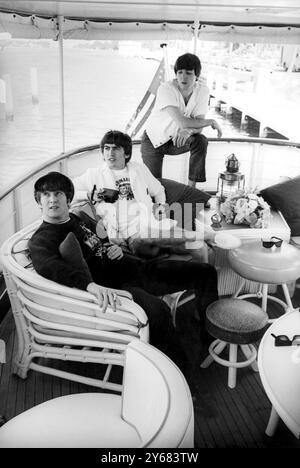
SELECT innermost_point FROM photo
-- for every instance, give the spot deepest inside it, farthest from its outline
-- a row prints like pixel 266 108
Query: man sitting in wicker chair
pixel 105 266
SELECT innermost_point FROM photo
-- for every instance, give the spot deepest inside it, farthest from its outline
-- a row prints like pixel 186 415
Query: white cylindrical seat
pixel 275 265
pixel 269 266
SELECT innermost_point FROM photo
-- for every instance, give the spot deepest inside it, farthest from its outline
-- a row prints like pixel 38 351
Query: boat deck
pixel 224 418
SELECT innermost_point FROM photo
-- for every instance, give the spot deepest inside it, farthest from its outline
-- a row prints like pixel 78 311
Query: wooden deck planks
pixel 240 411
pixel 220 412
pixel 229 411
pixel 224 418
pixel 11 383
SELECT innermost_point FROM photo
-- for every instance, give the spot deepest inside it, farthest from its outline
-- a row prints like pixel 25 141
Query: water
pixel 102 90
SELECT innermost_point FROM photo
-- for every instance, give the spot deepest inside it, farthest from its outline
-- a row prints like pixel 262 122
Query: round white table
pixel 279 369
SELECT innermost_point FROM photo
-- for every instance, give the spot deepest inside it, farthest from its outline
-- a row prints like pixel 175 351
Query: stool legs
pixel 218 346
pixel 240 287
pixel 273 423
pixel 247 351
pixel 287 297
pixel 264 297
pixel 262 294
pixel 232 370
pixel 217 349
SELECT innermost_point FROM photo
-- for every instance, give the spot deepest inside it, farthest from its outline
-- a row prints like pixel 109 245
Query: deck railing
pixel 262 160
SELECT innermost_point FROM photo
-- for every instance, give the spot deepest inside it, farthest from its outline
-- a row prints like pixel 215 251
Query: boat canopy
pixel 268 21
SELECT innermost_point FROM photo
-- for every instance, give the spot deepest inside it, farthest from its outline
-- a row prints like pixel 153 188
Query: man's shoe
pixel 2 420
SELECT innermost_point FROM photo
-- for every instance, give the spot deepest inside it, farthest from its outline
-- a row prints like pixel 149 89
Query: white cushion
pixel 82 420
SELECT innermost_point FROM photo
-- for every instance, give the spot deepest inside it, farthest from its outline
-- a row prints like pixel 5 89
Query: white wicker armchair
pixel 154 410
pixel 58 322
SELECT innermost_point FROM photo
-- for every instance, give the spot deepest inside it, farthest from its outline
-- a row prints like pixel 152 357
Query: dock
pixel 248 93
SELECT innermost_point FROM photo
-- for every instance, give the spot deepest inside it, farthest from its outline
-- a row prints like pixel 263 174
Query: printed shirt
pixel 92 241
pixel 127 208
pixel 160 126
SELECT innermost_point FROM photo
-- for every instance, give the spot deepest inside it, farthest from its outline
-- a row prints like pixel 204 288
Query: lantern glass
pixel 228 183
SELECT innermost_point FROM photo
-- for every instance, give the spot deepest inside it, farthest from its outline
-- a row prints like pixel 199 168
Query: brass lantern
pixel 230 180
pixel 232 163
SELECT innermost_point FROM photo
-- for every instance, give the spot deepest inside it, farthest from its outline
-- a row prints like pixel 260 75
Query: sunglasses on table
pixel 283 340
pixel 268 243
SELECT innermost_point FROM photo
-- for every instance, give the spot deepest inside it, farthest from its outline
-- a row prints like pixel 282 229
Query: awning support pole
pixel 293 59
pixel 166 60
pixel 61 80
pixel 196 30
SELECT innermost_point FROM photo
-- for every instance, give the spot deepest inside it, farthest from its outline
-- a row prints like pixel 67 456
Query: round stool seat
pixel 236 321
pixel 268 266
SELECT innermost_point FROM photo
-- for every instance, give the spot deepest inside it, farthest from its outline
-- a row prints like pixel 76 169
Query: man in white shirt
pixel 139 211
pixel 176 122
pixel 136 186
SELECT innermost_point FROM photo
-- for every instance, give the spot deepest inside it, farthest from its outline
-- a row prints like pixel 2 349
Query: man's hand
pixel 114 252
pixel 207 233
pixel 104 296
pixel 216 126
pixel 159 211
pixel 181 137
pixel 90 194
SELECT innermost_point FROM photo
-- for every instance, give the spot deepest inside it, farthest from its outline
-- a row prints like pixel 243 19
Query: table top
pixel 279 368
pixel 278 226
pixel 275 265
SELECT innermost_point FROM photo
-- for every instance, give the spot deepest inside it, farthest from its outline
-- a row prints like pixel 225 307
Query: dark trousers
pixel 162 276
pixel 163 334
pixel 147 279
pixel 196 144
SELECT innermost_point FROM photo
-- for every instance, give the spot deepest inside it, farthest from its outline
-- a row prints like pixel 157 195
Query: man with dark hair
pixel 119 139
pixel 176 122
pixel 137 189
pixel 110 268
pixel 52 182
pixel 140 202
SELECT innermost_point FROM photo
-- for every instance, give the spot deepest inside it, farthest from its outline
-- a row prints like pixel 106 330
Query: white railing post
pixel 231 86
pixel 243 120
pixel 2 98
pixel 262 129
pixel 61 80
pixel 17 207
pixel 9 104
pixel 34 85
pixel 195 41
pixel 293 59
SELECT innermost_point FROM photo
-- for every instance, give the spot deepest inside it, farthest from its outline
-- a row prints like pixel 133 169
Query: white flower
pixel 246 208
pixel 252 205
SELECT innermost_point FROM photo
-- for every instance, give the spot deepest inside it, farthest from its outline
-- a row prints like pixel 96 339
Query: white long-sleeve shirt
pixel 143 184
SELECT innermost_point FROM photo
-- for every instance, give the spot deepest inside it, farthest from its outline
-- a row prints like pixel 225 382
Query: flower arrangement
pixel 243 207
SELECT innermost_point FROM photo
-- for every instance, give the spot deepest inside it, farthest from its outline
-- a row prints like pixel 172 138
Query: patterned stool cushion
pixel 236 321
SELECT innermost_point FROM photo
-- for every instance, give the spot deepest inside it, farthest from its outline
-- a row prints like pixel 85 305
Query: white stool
pixel 234 323
pixel 276 266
